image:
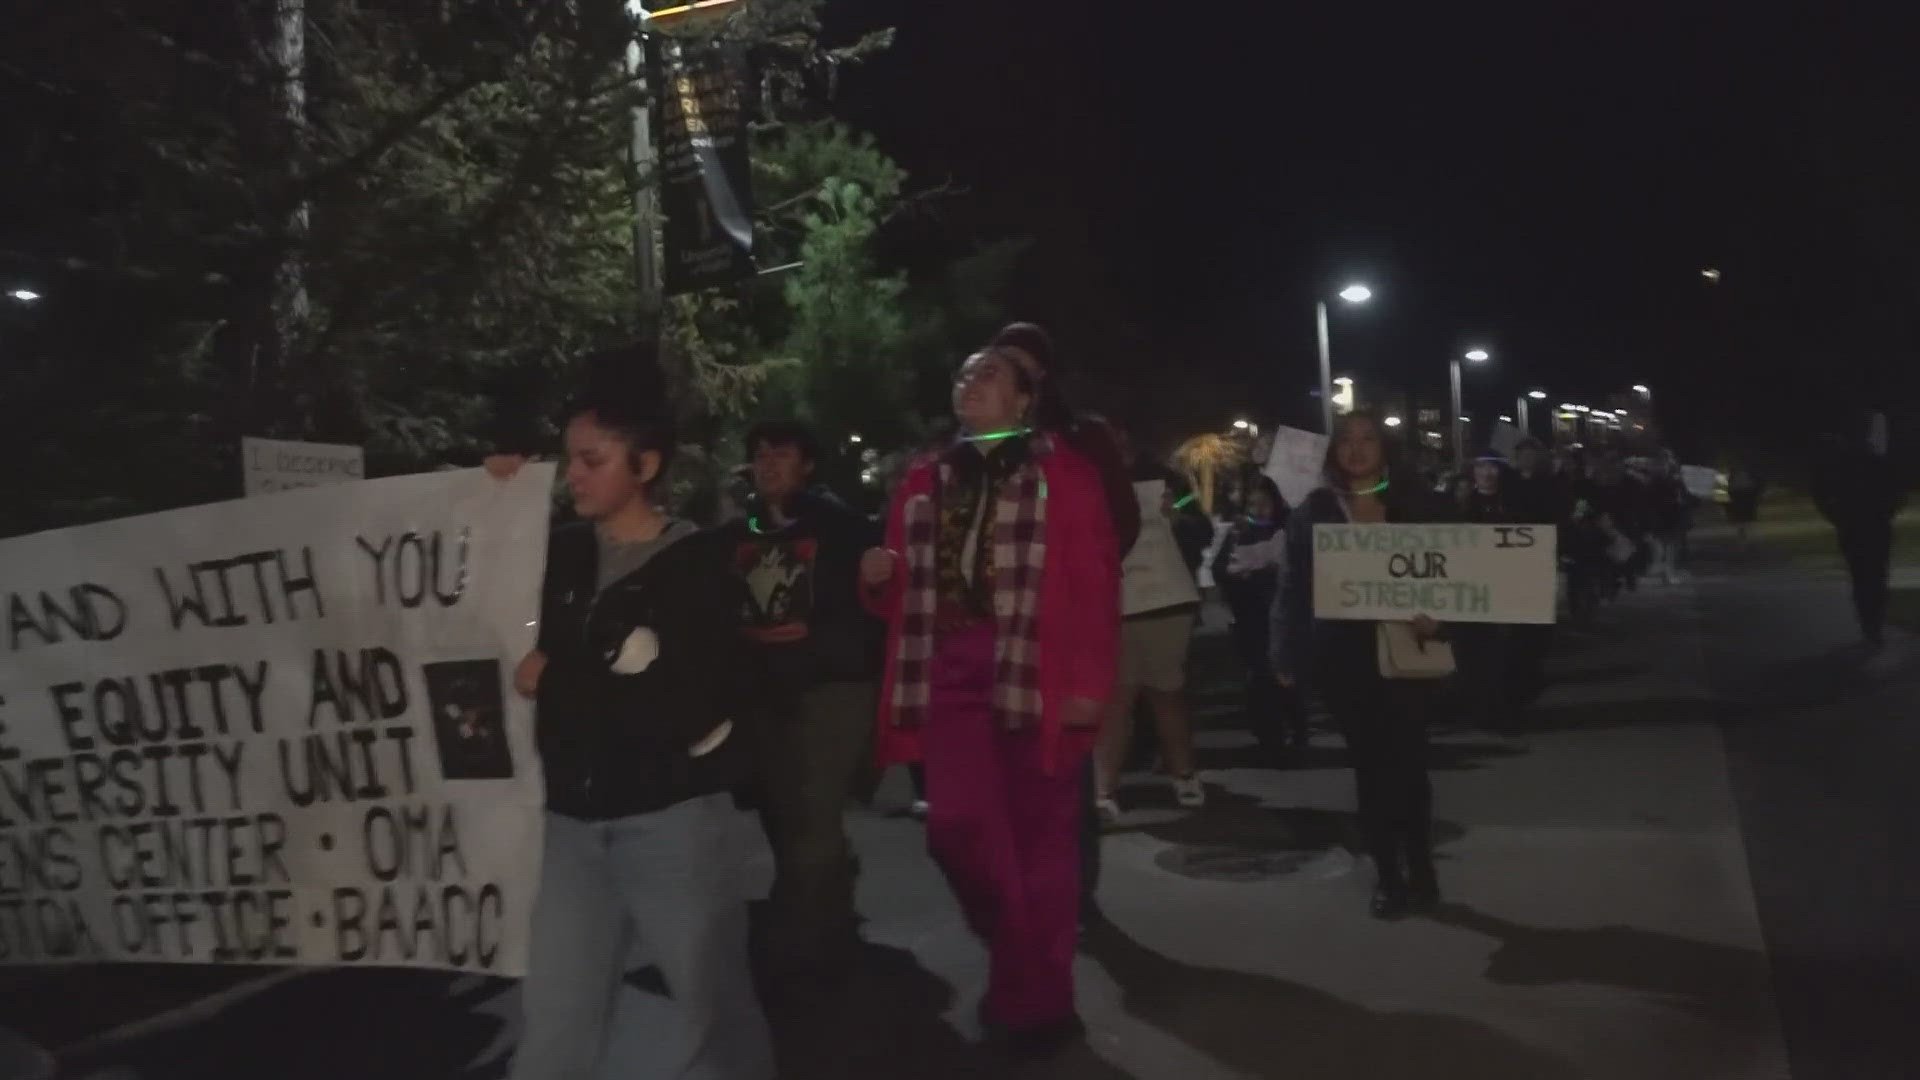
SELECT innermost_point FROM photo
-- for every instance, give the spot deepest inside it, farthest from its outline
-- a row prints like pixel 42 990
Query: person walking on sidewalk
pixel 1744 489
pixel 1101 443
pixel 1159 603
pixel 999 584
pixel 1855 488
pixel 797 554
pixel 1247 568
pixel 1486 649
pixel 638 645
pixel 1384 721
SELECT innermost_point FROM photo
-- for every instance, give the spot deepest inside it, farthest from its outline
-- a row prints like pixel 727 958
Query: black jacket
pixel 616 745
pixel 1248 596
pixel 799 589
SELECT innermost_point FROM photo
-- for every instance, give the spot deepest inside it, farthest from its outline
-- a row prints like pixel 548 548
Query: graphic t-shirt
pixel 780 571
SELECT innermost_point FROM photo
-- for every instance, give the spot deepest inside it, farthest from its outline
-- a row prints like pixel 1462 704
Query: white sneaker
pixel 918 810
pixel 1190 792
pixel 1108 810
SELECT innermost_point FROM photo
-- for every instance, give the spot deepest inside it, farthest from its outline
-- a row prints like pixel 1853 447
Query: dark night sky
pixel 1546 182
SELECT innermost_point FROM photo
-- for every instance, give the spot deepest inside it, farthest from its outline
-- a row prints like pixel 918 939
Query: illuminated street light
pixel 1711 275
pixel 1537 395
pixel 1355 293
pixel 1477 356
pixel 1641 389
pixel 1392 421
pixel 1242 425
pixel 1505 419
pixel 25 296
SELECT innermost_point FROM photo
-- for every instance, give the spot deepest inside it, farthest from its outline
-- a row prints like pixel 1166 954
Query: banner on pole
pixel 1452 573
pixel 706 191
pixel 1296 462
pixel 271 465
pixel 276 730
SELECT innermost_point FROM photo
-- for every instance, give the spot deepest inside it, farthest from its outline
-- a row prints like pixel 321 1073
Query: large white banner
pixel 276 730
pixel 1154 575
pixel 1297 463
pixel 1453 573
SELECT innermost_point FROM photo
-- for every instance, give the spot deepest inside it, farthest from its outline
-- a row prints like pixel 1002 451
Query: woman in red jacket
pixel 999 582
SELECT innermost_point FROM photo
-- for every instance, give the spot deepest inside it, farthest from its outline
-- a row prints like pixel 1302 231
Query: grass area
pixel 1904 611
pixel 1790 530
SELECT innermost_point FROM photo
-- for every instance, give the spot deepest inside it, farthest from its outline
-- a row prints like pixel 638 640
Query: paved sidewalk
pixel 1599 920
pixel 1599 924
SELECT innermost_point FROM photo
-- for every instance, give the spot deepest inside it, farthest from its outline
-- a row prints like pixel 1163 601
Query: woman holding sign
pixel 1382 718
pixel 999 582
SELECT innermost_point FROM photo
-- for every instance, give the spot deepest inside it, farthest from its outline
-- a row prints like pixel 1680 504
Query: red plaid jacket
pixel 1079 606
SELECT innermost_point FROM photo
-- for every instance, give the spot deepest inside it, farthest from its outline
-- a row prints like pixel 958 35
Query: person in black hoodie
pixel 1856 488
pixel 639 646
pixel 818 653
pixel 1247 569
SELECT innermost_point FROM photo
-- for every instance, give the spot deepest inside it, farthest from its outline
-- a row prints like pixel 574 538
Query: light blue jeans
pixel 661 888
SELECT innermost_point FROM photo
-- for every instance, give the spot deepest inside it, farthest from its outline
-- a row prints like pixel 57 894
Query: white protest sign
pixel 272 465
pixel 1454 573
pixel 1701 480
pixel 1297 463
pixel 276 730
pixel 1154 576
pixel 1505 438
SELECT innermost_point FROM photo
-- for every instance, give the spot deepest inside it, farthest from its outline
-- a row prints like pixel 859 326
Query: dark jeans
pixel 816 750
pixel 1486 684
pixel 1868 548
pixel 1528 647
pixel 1274 713
pixel 1384 722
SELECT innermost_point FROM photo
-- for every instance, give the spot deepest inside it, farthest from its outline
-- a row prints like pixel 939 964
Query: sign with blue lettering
pixel 1452 573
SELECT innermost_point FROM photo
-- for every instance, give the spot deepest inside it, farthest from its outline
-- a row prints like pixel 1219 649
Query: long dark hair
pixel 1402 485
pixel 1052 412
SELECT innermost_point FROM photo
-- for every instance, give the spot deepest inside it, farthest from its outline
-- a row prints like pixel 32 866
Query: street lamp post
pixel 1352 294
pixel 1478 356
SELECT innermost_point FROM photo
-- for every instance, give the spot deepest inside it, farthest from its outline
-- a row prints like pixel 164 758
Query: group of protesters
pixel 988 630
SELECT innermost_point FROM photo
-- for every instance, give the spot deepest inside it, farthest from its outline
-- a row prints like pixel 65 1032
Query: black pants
pixel 1868 548
pixel 1528 648
pixel 1274 713
pixel 1384 722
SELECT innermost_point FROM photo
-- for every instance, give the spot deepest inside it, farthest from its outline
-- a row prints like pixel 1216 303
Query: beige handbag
pixel 1404 656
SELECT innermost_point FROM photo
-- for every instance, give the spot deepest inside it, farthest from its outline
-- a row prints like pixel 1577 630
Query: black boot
pixel 1390 890
pixel 1423 884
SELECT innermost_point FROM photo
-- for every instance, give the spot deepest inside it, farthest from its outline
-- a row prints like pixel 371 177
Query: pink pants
pixel 1005 833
